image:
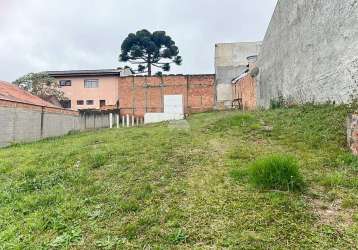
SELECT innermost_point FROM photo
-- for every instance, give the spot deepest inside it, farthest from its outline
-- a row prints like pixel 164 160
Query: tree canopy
pixel 148 49
pixel 41 85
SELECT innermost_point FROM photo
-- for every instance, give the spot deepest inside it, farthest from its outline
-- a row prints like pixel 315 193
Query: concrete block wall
pixel 27 125
pixel 19 125
pixel 140 94
pixel 93 120
pixel 21 122
pixel 7 126
pixel 24 125
pixel 55 124
pixel 310 52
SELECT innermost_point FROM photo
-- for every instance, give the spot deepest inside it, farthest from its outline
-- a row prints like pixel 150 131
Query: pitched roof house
pixel 12 93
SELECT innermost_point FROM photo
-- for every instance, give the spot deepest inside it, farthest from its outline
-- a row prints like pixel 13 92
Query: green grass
pixel 277 172
pixel 158 187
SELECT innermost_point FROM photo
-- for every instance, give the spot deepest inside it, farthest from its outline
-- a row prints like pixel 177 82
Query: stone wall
pixel 141 94
pixel 310 52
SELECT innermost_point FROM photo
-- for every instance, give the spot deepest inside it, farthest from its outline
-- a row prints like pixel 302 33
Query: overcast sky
pixel 39 35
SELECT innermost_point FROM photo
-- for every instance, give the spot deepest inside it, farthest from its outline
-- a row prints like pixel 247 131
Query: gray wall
pixel 310 52
pixel 230 62
pixel 24 125
pixel 19 125
pixel 94 120
pixel 59 124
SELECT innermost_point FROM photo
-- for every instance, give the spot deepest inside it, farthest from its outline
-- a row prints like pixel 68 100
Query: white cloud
pixel 41 35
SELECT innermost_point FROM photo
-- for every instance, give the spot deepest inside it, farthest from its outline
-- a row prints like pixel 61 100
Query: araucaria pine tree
pixel 148 49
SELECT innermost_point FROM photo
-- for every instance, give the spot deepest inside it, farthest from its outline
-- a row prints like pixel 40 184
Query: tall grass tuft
pixel 279 172
pixel 98 160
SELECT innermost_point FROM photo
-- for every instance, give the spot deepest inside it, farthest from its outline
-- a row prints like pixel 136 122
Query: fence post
pixel 127 120
pixel 133 121
pixel 110 120
pixel 117 116
pixel 123 121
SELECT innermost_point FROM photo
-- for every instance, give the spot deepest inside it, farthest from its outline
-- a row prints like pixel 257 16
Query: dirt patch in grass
pixel 331 213
pixel 218 146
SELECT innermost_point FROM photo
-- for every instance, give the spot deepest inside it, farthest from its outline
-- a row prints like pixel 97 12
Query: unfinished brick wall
pixel 244 91
pixel 141 94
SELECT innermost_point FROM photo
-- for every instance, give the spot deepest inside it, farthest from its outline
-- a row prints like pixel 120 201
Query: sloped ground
pixel 180 186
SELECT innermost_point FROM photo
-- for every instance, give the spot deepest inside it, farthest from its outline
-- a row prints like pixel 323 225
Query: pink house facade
pixel 89 89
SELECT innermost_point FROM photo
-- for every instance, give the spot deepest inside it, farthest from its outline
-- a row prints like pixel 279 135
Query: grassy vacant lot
pixel 169 187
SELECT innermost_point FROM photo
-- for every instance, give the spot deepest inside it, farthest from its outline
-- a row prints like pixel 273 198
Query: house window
pixel 89 102
pixel 80 102
pixel 102 103
pixel 64 83
pixel 66 104
pixel 91 83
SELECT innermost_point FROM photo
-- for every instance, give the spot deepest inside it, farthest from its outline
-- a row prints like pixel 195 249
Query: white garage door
pixel 173 104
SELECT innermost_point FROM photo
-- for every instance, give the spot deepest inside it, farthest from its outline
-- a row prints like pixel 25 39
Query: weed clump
pixel 98 160
pixel 279 172
pixel 278 102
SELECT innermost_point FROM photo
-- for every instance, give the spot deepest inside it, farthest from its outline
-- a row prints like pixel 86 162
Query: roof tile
pixel 11 92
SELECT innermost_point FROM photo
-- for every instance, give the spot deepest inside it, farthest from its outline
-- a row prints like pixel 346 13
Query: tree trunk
pixel 149 69
pixel 149 66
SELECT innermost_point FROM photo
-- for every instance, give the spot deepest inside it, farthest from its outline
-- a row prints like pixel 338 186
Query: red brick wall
pixel 141 94
pixel 245 91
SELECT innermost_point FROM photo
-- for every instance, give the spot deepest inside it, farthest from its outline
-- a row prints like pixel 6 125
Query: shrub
pixel 279 172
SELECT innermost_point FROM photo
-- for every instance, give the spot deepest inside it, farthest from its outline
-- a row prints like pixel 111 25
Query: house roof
pixel 11 92
pixel 97 72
